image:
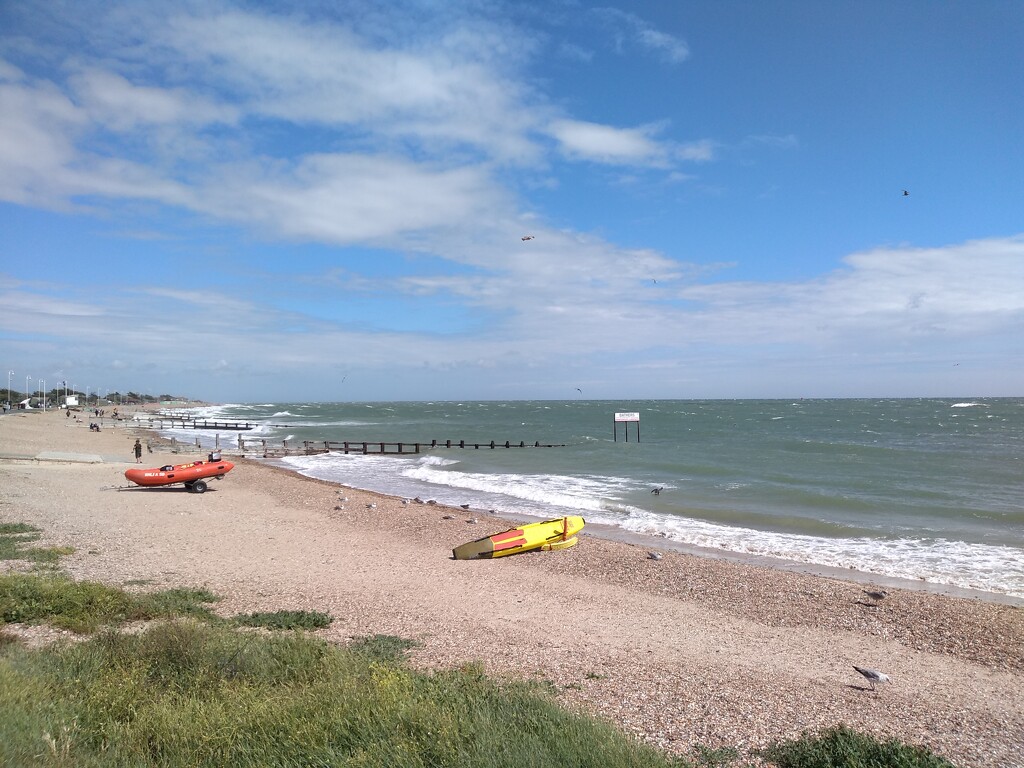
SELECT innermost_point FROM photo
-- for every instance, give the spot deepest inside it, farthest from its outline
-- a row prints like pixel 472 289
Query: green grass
pixel 284 620
pixel 185 693
pixel 6 529
pixel 842 747
pixel 386 649
pixel 13 540
pixel 84 606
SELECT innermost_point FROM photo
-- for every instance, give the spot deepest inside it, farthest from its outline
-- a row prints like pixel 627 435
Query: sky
pixel 467 199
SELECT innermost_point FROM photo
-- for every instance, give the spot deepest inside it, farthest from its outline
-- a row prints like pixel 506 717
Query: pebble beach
pixel 681 651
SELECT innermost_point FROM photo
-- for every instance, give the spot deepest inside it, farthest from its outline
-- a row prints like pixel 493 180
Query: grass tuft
pixel 284 620
pixel 13 540
pixel 6 529
pixel 85 606
pixel 383 649
pixel 842 747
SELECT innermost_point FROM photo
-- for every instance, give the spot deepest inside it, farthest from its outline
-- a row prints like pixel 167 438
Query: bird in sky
pixel 905 193
pixel 579 390
pixel 873 675
pixel 526 237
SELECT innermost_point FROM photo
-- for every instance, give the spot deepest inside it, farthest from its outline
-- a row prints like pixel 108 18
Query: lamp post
pixel 42 392
pixel 9 374
pixel 26 388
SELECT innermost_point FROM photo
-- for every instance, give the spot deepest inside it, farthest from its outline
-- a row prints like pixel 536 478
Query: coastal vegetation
pixel 196 689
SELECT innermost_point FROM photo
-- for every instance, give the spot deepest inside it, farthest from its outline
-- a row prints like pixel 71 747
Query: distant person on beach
pixel 138 451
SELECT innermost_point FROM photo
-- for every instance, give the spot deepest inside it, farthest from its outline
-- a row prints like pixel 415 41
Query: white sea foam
pixel 969 405
pixel 940 561
pixel 437 461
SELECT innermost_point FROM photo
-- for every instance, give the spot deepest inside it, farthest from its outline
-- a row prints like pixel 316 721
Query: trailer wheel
pixel 198 486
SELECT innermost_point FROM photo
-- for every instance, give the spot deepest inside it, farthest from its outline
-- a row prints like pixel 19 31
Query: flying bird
pixel 579 390
pixel 905 193
pixel 873 676
pixel 524 238
pixel 657 491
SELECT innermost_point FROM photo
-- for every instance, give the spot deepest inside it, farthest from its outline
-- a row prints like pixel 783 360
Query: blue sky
pixel 327 201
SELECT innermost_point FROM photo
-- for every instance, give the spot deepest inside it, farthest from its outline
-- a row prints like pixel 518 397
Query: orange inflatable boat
pixel 193 475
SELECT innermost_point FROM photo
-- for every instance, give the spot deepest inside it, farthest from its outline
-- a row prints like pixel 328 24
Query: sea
pixel 927 490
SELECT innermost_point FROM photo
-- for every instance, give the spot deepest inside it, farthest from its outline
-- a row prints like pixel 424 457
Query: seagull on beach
pixel 654 555
pixel 877 595
pixel 873 676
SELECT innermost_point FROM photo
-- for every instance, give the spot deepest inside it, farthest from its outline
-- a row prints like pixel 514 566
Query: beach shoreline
pixel 680 651
pixel 662 543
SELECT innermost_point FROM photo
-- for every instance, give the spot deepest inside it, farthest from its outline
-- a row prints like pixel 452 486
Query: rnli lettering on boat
pixel 193 475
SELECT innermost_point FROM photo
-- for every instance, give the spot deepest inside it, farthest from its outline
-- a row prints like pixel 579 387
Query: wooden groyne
pixel 266 449
pixel 180 423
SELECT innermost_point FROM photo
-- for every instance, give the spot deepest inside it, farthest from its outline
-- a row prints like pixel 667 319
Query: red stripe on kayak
pixel 508 539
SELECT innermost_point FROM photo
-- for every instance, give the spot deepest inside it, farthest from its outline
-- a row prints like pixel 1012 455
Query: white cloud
pixel 882 297
pixel 605 144
pixel 628 28
pixel 349 198
pixel 116 104
pixel 455 92
pixel 549 310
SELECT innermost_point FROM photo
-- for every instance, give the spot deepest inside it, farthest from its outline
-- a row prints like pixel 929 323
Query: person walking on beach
pixel 138 451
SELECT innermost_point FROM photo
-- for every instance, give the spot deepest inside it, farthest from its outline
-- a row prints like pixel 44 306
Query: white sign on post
pixel 627 417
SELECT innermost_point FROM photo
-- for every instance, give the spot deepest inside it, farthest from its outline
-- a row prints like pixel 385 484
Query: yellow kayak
pixel 549 535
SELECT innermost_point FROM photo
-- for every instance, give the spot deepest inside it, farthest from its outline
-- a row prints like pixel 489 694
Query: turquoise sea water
pixel 926 489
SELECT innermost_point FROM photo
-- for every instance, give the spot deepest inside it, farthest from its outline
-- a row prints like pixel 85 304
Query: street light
pixel 9 374
pixel 42 392
pixel 27 396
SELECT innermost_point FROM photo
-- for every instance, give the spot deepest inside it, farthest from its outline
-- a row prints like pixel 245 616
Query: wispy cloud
pixel 629 29
pixel 606 144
